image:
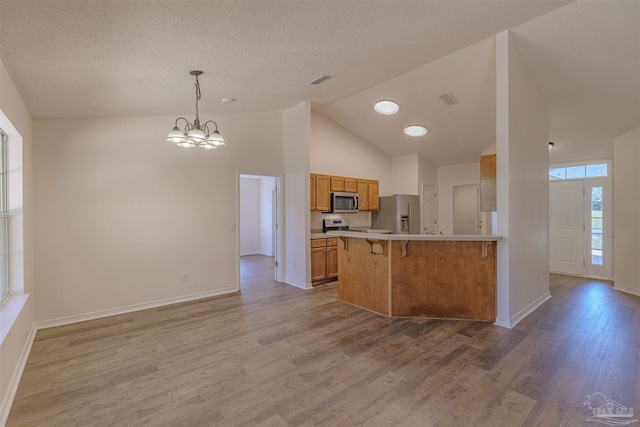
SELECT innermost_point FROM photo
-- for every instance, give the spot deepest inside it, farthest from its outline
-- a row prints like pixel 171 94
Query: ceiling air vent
pixel 448 99
pixel 320 79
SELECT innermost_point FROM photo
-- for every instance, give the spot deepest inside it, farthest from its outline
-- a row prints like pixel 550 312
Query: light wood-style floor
pixel 276 355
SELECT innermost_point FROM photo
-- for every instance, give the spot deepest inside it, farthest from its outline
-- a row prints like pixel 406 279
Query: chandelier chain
pixel 197 97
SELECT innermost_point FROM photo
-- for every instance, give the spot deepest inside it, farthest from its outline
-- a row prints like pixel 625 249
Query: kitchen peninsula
pixel 417 275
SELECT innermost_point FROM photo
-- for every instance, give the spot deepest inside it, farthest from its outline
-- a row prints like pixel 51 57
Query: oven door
pixel 344 202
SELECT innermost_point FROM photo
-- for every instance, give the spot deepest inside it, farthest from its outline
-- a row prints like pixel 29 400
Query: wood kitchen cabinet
pixel 337 184
pixel 363 195
pixel 350 185
pixel 374 196
pixel 320 189
pixel 324 259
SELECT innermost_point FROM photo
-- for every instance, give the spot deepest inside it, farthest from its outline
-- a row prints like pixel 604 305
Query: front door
pixel 566 227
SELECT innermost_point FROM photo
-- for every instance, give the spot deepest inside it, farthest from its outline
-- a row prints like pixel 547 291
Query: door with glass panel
pixel 566 227
pixel 580 213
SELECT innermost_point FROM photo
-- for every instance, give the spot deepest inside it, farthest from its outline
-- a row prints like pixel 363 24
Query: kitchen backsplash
pixel 360 219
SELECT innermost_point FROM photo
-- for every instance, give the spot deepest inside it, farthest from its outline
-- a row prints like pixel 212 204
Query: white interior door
pixel 466 209
pixel 429 210
pixel 566 227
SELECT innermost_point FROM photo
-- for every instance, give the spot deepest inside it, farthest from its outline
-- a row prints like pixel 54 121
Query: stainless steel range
pixel 335 224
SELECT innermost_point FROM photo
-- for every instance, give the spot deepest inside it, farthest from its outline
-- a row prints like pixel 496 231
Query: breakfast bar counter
pixel 417 275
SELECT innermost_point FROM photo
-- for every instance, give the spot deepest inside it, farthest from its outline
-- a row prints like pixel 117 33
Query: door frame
pixel 606 182
pixel 435 189
pixel 278 233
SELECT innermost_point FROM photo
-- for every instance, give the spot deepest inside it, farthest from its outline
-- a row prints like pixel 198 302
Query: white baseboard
pixel 504 322
pixel 514 320
pixel 15 378
pixel 626 289
pixel 130 308
pixel 297 284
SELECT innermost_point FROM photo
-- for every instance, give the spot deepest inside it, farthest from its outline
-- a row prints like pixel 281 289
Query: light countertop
pixel 379 236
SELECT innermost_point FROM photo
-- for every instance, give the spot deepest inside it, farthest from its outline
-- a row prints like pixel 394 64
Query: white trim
pixel 131 308
pixel 514 320
pixel 298 284
pixel 626 289
pixel 15 378
pixel 500 321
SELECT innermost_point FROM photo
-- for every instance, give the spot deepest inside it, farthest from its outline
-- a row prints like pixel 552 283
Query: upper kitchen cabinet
pixel 321 187
pixel 350 185
pixel 320 193
pixel 363 195
pixel 337 184
pixel 374 196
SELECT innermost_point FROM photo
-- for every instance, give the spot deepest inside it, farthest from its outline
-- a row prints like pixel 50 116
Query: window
pixel 4 221
pixel 578 172
pixel 596 226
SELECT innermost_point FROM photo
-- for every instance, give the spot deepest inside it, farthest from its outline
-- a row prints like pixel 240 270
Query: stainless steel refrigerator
pixel 399 213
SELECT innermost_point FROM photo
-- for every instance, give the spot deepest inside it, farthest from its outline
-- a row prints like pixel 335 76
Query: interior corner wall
pixel 122 215
pixel 404 175
pixel 447 178
pixel 336 151
pixel 17 316
pixel 297 216
pixel 522 130
pixel 427 173
pixel 626 212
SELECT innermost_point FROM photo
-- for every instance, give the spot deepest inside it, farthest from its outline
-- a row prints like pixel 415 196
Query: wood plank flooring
pixel 275 355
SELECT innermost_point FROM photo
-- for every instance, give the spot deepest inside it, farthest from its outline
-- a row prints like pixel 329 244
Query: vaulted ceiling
pixel 102 58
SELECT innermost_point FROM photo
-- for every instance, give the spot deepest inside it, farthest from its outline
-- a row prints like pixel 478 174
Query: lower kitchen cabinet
pixel 324 259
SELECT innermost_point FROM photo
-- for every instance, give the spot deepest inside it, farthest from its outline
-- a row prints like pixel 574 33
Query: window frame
pixel 5 284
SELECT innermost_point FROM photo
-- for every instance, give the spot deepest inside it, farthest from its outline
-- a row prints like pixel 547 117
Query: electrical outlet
pixel 184 277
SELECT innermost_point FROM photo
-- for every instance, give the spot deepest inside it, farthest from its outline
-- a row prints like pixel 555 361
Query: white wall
pixel 297 252
pixel 256 216
pixel 409 172
pixel 267 185
pixel 336 151
pixel 16 317
pixel 404 175
pixel 122 214
pixel 522 131
pixel 449 177
pixel 427 173
pixel 626 212
pixel 249 216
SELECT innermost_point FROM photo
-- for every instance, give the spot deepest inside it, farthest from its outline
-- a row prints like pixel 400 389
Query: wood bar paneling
pixel 443 279
pixel 366 276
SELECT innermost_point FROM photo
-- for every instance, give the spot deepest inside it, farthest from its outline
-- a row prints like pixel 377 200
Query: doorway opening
pixel 259 234
pixel 466 209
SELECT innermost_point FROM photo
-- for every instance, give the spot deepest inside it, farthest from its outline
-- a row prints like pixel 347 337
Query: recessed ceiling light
pixel 415 130
pixel 386 107
pixel 225 100
pixel 550 145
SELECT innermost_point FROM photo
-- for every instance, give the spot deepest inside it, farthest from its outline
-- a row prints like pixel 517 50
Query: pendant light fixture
pixel 194 134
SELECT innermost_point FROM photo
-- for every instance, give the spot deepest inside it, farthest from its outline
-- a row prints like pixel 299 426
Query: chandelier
pixel 194 134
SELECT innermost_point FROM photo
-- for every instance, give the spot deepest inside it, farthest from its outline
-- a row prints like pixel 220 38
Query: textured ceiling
pixel 71 58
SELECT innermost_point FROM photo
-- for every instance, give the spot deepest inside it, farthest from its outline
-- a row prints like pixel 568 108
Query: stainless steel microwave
pixel 344 202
